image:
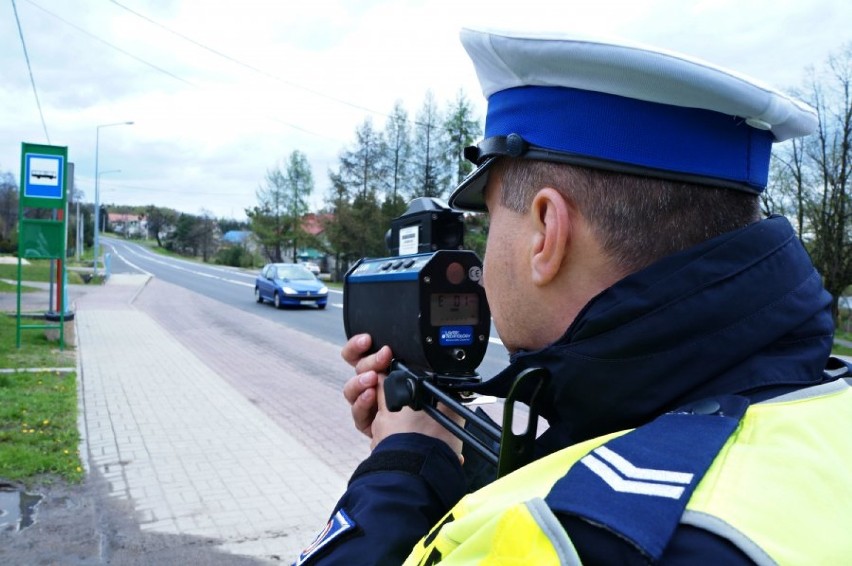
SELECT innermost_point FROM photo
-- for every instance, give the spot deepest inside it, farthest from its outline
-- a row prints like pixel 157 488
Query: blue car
pixel 289 284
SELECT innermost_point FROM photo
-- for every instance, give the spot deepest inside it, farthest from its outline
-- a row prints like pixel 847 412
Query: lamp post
pixel 78 241
pixel 97 193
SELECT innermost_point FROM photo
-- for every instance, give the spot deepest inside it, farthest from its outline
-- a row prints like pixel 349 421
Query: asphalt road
pixel 235 287
pixel 211 311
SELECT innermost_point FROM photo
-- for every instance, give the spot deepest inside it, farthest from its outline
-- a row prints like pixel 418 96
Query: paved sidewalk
pixel 38 302
pixel 191 454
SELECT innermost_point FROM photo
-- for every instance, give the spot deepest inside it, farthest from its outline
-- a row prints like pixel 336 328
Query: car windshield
pixel 294 272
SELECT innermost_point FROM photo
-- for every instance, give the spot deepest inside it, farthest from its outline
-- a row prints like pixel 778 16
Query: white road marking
pixel 151 256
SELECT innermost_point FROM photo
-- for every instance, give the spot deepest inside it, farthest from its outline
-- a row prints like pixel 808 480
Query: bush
pixel 9 245
pixel 235 256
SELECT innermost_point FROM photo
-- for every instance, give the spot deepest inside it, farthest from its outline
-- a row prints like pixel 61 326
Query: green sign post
pixel 44 181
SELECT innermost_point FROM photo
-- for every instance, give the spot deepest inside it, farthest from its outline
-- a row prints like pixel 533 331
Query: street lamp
pixel 97 193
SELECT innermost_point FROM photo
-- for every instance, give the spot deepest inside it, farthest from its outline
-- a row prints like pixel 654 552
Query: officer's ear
pixel 551 216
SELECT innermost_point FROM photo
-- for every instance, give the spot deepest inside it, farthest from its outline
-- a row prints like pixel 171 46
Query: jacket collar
pixel 738 314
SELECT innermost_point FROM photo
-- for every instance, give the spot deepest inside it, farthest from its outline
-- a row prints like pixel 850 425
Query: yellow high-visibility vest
pixel 780 490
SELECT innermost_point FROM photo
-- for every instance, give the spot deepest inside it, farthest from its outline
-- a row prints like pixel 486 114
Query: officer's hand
pixel 386 423
pixel 360 390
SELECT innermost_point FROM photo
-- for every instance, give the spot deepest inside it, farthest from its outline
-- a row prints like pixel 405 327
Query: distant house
pixel 314 224
pixel 236 237
pixel 130 225
pixel 243 238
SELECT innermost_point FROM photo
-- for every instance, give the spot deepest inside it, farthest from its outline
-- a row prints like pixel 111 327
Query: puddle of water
pixel 17 508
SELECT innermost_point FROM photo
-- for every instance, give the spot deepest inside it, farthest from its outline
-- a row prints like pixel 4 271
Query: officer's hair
pixel 638 220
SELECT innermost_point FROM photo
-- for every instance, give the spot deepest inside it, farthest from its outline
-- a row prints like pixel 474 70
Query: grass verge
pixel 36 350
pixel 38 427
pixel 13 288
pixel 37 270
pixel 841 349
pixel 38 410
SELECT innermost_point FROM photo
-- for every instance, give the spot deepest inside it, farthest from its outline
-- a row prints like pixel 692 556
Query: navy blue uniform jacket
pixel 744 313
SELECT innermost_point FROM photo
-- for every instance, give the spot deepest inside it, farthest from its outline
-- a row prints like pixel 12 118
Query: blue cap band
pixel 689 141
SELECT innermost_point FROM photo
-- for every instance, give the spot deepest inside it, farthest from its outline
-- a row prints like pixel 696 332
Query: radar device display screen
pixel 454 308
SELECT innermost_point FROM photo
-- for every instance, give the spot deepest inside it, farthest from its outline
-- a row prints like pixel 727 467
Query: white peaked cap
pixel 626 107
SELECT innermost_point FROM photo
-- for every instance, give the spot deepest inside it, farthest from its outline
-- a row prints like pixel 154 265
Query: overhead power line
pixel 30 69
pixel 118 185
pixel 253 68
pixel 160 69
pixel 107 43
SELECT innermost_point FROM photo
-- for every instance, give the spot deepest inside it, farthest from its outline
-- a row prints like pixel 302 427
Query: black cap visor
pixel 469 196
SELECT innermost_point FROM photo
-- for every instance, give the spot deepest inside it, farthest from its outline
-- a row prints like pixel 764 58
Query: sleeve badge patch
pixel 339 524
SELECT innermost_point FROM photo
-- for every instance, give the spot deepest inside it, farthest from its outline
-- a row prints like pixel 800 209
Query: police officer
pixel 694 413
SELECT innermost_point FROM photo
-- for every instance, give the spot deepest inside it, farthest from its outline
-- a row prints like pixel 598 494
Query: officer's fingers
pixel 377 362
pixel 356 385
pixel 364 412
pixel 360 392
pixel 355 348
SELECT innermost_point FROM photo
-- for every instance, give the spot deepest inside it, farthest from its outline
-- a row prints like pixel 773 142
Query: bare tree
pixel 206 235
pixel 811 176
pixel 8 211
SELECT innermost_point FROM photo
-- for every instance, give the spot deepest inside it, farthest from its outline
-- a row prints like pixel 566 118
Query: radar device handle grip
pixel 399 389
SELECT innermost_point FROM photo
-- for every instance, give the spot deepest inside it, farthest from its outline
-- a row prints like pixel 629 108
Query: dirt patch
pixel 82 525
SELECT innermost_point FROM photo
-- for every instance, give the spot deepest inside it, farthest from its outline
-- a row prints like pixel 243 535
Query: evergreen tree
pixel 476 232
pixel 430 163
pixel 300 185
pixel 462 130
pixel 339 224
pixel 282 201
pixel 397 179
pixel 184 238
pixel 159 219
pixel 362 169
pixel 356 186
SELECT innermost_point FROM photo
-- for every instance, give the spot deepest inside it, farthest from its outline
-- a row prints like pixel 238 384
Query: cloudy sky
pixel 219 92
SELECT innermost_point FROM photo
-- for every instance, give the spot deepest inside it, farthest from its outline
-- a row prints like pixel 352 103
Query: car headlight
pixel 289 290
pixel 323 290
